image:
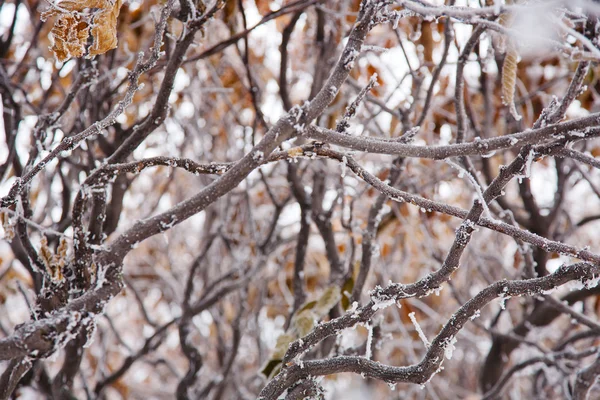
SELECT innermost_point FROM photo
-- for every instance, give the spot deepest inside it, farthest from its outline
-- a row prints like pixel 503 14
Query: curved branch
pixel 423 371
pixel 577 129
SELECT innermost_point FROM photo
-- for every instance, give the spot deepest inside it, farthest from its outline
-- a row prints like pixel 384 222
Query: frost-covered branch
pixel 429 365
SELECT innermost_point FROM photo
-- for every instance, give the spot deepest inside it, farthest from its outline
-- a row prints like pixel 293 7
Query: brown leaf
pixel 69 36
pixel 509 81
pixel 71 29
pixel 104 29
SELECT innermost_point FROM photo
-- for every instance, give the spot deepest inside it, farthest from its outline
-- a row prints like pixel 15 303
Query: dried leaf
pixel 104 29
pixel 330 297
pixel 303 322
pixel 45 253
pixel 501 40
pixel 54 262
pixel 509 81
pixel 509 68
pixel 71 30
pixel 69 37
pixel 271 368
pixel 8 226
pixel 283 342
pixel 347 293
pixel 307 306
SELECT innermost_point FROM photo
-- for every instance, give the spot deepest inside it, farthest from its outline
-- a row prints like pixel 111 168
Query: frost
pixel 368 352
pixel 475 315
pixel 528 163
pixel 297 112
pixel 349 59
pixel 449 347
pixel 398 199
pixel 344 164
pixel 462 233
pixel 166 226
pixel 90 333
pixel 101 276
pixel 503 300
pixel 258 155
pixel 377 49
pixel 382 298
pixel 591 283
pixel 422 336
pixel 395 16
pixel 71 330
pixel 381 304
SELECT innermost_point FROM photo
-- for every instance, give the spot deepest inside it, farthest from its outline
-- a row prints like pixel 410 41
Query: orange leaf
pixel 72 27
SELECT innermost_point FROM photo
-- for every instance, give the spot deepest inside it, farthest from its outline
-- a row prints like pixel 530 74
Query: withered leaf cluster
pixel 78 20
